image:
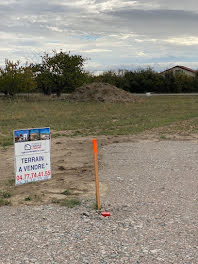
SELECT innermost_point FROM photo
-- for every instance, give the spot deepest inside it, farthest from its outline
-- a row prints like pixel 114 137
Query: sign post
pixel 32 155
pixel 96 173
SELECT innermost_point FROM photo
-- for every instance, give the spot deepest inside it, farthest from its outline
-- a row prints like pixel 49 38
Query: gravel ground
pixel 153 200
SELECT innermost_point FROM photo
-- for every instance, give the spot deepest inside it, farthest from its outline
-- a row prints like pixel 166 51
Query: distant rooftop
pixel 182 67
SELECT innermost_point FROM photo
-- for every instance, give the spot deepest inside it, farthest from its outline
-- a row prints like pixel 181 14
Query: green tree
pixel 184 83
pixel 28 82
pixel 43 78
pixel 15 78
pixel 169 82
pixel 61 72
pixel 141 81
pixel 10 78
pixel 107 77
pixel 195 82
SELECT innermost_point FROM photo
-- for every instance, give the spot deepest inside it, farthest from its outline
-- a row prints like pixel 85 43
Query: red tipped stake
pixel 105 214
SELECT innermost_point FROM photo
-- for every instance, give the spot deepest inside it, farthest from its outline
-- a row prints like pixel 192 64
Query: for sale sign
pixel 32 155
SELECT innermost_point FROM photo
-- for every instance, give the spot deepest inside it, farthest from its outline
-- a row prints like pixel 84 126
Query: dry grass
pixel 73 119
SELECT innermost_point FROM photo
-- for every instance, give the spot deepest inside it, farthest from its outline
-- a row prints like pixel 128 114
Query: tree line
pixel 147 80
pixel 63 72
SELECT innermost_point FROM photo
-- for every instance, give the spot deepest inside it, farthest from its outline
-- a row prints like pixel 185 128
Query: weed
pixel 4 202
pixel 70 203
pixel 55 201
pixel 8 141
pixel 6 194
pixel 94 205
pixel 37 198
pixel 162 136
pixel 28 198
pixel 76 133
pixel 10 182
pixel 67 192
pixel 57 135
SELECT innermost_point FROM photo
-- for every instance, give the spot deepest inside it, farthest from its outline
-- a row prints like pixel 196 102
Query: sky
pixel 111 35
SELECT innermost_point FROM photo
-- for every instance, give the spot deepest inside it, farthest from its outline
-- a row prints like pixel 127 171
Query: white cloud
pixel 140 54
pixel 97 50
pixel 183 41
pixel 116 4
pixel 7 2
pixel 55 29
pixel 113 33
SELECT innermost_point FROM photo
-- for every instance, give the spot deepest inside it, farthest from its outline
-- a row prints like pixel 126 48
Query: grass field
pixel 82 119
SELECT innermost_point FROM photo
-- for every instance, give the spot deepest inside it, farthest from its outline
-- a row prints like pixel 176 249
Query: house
pixel 21 137
pixel 34 136
pixel 180 69
pixel 44 136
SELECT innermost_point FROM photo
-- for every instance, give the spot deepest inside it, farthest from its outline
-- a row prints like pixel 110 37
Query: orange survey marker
pixel 94 145
pixel 96 173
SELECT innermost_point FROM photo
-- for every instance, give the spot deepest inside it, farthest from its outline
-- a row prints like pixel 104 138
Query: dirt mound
pixel 102 92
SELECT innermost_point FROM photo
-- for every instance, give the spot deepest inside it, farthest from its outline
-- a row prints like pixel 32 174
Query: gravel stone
pixel 153 213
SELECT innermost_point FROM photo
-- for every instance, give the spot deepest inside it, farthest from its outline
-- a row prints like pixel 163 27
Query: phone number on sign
pixel 33 175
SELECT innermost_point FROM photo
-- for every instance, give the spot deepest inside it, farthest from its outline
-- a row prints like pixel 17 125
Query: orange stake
pixel 96 173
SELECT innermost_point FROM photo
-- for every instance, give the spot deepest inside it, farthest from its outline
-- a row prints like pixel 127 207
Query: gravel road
pixel 153 200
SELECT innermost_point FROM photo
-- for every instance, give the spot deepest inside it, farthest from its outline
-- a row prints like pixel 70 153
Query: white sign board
pixel 32 155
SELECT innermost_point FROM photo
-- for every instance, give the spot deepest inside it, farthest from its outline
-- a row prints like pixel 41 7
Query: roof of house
pixel 182 67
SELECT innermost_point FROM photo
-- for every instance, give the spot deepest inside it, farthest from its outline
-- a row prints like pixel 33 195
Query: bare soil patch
pixel 72 167
pixel 71 170
pixel 102 92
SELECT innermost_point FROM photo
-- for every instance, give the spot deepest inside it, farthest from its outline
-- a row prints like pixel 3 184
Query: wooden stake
pixel 96 173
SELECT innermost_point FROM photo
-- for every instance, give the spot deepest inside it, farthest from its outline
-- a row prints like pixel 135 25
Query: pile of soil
pixel 102 92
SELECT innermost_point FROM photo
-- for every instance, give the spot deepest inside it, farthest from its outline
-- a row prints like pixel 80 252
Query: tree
pixel 107 77
pixel 169 81
pixel 61 72
pixel 10 78
pixel 28 82
pixel 15 78
pixel 184 83
pixel 141 81
pixel 195 82
pixel 43 78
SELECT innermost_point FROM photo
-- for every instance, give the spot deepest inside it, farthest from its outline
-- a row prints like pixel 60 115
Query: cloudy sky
pixel 112 34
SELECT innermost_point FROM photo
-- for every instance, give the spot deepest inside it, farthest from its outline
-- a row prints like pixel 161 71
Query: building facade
pixel 180 69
